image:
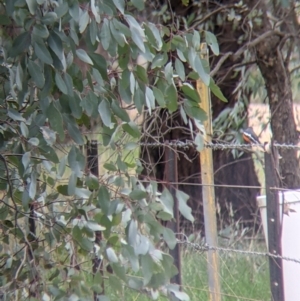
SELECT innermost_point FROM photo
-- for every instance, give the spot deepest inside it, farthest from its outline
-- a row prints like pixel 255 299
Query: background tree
pixel 248 38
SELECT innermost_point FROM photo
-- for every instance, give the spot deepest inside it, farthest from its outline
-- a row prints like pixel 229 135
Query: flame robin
pixel 250 137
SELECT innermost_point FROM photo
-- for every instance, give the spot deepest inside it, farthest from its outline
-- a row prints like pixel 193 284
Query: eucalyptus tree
pixel 66 65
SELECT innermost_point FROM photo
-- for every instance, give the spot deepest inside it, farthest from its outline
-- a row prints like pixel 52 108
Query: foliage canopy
pixel 64 64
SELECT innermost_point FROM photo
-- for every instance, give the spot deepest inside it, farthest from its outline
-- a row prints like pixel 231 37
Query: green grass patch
pixel 243 277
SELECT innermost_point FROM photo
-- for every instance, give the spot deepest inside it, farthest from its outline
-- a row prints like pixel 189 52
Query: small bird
pixel 250 137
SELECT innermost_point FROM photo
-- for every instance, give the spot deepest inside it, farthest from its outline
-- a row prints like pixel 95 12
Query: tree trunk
pixel 274 69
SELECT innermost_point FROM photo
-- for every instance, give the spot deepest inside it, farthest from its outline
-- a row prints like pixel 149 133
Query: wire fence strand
pixel 205 247
pixel 189 143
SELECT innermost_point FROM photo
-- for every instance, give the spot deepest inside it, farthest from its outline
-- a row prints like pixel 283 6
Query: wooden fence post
pixel 208 192
pixel 274 224
pixel 93 167
pixel 172 177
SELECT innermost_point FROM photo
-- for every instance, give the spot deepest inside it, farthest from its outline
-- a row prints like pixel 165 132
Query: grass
pixel 243 277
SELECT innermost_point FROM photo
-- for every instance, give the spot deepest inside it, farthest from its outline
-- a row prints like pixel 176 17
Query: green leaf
pixel 169 73
pixel 32 186
pixel 143 245
pixel 120 271
pixel 49 135
pixel 118 36
pixel 211 40
pixel 122 28
pixel 105 113
pixel 115 285
pixel 139 100
pixel 216 91
pixel 95 12
pixel 76 161
pixel 111 255
pixel 24 129
pixel 55 120
pixel 93 31
pixel 60 83
pixel 190 92
pixel 105 36
pixel 32 5
pixel 100 64
pixel 103 200
pixel 92 182
pixel 171 98
pixel 63 189
pixel 34 141
pixel 90 103
pixel 61 9
pixel 15 115
pixel 86 244
pixel 167 200
pixel 82 193
pixel 180 55
pixel 159 96
pixel 26 159
pixel 121 165
pixel 169 238
pixel 194 111
pixel 184 209
pixel 49 18
pixel 142 74
pixel 180 69
pixel 69 83
pixel 19 77
pixel 36 73
pixel 147 268
pixel 62 167
pixel 132 129
pixel 75 133
pixel 82 55
pixel 200 70
pixel 118 111
pixel 55 43
pixel 182 296
pixel 20 44
pixel 137 33
pixel 75 106
pixel 43 53
pixel 110 166
pixel 4 20
pixel 72 183
pixel 83 21
pixel 41 31
pixel 132 233
pixel 159 60
pixel 4 210
pixel 150 99
pixel 196 40
pixel 153 36
pixel 138 194
pixel 183 115
pixel 120 4
pixel 94 226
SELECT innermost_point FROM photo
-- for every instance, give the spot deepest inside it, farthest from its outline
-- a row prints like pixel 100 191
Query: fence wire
pixel 189 143
pixel 205 247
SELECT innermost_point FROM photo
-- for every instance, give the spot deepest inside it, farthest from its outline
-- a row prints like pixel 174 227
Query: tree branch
pixel 238 53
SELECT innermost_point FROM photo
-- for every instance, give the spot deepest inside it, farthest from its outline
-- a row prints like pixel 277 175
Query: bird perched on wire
pixel 250 137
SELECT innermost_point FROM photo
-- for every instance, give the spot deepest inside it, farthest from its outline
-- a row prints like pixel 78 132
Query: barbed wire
pixel 189 143
pixel 205 247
